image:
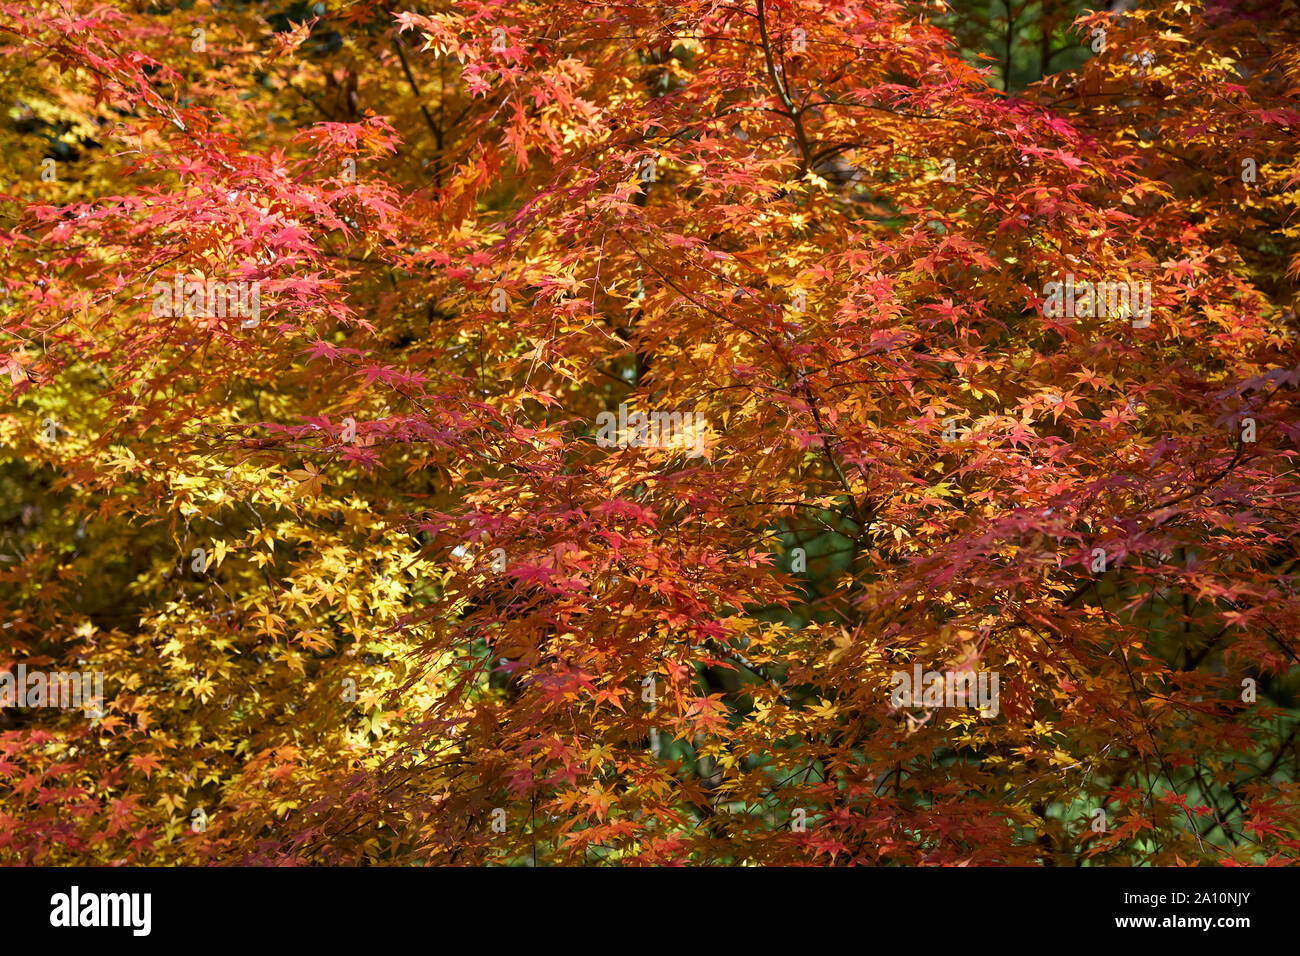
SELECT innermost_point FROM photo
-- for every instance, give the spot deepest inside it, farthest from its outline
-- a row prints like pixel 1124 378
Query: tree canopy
pixel 542 432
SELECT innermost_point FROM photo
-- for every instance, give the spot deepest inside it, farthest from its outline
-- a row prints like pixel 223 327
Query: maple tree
pixel 366 584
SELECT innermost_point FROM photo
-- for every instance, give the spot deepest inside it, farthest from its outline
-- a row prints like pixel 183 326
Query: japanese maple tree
pixel 372 575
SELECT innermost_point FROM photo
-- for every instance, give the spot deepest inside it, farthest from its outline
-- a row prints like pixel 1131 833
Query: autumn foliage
pixel 366 584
